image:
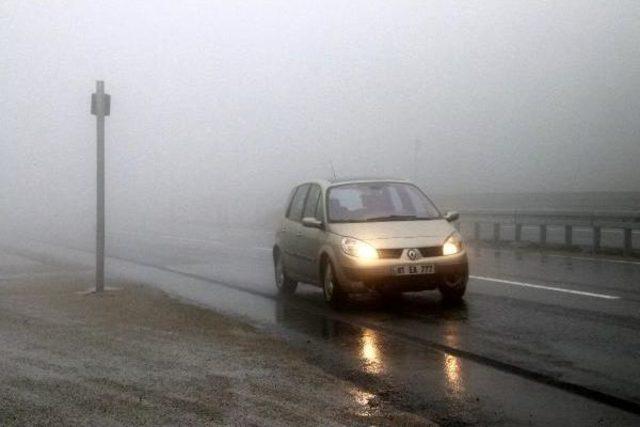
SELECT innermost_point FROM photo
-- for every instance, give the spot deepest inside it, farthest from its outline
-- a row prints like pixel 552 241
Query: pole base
pixel 93 291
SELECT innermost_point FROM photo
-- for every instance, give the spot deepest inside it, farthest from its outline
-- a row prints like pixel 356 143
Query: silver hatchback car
pixel 364 235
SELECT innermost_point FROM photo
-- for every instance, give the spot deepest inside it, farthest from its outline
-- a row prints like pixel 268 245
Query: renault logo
pixel 413 254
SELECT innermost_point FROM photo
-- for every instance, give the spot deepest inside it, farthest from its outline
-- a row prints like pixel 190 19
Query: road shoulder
pixel 137 356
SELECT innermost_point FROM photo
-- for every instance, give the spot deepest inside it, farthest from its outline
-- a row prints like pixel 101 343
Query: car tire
pixel 284 284
pixel 331 290
pixel 453 287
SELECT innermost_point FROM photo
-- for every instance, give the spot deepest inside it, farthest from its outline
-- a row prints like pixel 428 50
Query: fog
pixel 219 108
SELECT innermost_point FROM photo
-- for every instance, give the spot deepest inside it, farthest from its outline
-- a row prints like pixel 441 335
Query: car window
pixel 312 201
pixel 379 201
pixel 290 201
pixel 297 204
pixel 287 206
pixel 320 208
pixel 348 197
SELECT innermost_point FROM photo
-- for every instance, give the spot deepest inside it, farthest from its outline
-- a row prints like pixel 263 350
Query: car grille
pixel 431 251
pixel 426 252
pixel 389 253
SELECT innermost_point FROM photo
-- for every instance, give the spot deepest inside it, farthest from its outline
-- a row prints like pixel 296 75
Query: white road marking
pixel 548 288
pixel 16 276
pixel 596 259
pixel 576 257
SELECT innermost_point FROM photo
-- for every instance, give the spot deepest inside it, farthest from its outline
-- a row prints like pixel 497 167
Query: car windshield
pixel 379 201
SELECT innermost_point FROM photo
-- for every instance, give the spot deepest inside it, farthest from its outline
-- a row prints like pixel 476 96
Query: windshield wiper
pixel 395 218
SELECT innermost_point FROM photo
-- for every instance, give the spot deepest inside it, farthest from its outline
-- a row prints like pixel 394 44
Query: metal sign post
pixel 100 107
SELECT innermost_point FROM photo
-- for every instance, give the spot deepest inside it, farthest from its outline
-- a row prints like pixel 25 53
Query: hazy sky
pixel 211 96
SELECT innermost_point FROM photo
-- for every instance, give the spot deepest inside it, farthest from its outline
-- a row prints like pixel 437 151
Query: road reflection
pixel 370 352
pixel 365 401
pixel 368 346
pixel 453 365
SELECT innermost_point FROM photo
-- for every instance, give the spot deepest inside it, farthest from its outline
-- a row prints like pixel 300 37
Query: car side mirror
pixel 451 216
pixel 311 222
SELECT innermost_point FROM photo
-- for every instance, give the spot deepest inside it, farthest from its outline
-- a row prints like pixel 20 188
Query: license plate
pixel 408 270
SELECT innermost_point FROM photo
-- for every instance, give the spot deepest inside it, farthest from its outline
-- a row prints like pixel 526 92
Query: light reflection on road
pixel 453 365
pixel 365 402
pixel 370 352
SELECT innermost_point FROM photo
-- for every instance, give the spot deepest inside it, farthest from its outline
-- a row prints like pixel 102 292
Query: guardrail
pixel 626 222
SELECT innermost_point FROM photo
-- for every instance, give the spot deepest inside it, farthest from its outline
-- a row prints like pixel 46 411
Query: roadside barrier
pixel 567 222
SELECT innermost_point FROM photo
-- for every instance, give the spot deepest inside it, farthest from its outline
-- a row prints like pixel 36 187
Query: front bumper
pixel 377 275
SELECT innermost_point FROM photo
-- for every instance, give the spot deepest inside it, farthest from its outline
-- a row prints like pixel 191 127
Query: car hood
pixel 396 233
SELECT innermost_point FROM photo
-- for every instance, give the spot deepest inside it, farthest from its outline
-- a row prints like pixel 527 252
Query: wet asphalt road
pixel 540 339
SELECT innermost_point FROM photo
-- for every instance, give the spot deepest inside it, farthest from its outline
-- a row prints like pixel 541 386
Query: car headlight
pixel 452 245
pixel 358 249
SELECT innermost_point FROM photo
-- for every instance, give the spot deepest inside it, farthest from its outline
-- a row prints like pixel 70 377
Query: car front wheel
pixel 453 286
pixel 333 294
pixel 285 285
